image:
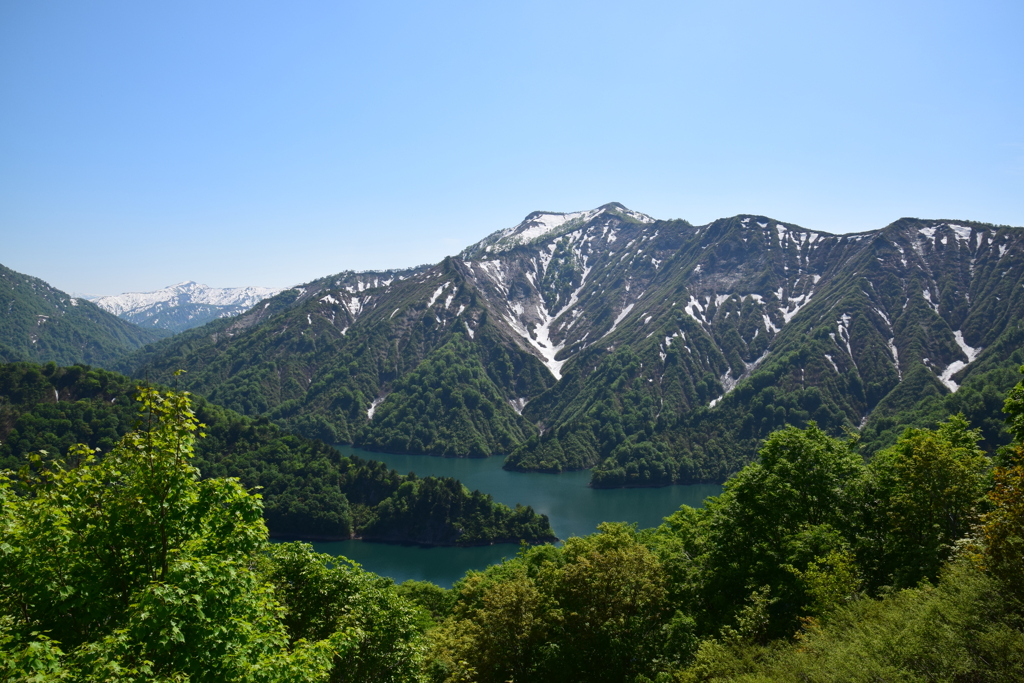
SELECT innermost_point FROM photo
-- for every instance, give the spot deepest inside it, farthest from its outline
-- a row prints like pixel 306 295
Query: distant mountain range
pixel 653 351
pixel 183 306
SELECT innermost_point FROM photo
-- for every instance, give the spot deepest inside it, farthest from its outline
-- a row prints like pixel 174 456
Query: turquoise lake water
pixel 573 508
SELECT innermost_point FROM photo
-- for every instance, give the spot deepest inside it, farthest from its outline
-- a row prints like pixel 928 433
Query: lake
pixel 573 508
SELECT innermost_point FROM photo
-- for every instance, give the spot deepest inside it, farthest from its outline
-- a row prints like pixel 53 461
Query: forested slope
pixel 41 323
pixel 652 351
pixel 309 489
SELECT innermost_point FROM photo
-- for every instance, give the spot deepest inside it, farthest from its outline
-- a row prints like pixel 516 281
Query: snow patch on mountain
pixel 184 305
pixel 956 366
pixel 184 293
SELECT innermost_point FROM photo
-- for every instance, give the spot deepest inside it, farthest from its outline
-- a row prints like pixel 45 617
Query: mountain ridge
pixel 622 339
pixel 184 305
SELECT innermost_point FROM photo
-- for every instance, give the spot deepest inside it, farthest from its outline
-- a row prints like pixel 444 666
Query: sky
pixel 259 143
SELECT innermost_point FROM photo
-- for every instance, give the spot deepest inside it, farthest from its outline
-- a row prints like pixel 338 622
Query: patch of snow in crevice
pixel 437 293
pixel 622 314
pixel 518 404
pixel 448 301
pixel 329 299
pixel 844 334
pixel 956 366
pixel 927 232
pixel 694 305
pixel 373 406
pixel 355 306
pixel 895 358
pixel 769 325
pixel 928 297
pixel 729 383
pixel 969 351
pixel 947 375
pixel 470 330
pixel 393 313
pixel 462 307
pixel 794 304
pixel 963 233
pixel 830 360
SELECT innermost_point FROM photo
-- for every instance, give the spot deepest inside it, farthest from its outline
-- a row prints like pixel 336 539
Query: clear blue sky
pixel 236 143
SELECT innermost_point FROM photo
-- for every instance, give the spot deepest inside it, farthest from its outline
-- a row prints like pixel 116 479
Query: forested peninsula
pixel 309 490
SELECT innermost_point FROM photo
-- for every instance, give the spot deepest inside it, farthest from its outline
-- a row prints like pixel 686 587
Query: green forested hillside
pixel 467 417
pixel 41 324
pixel 309 489
pixel 813 565
pixel 317 358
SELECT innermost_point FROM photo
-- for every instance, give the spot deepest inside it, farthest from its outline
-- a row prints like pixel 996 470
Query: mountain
pixel 183 306
pixel 653 351
pixel 41 323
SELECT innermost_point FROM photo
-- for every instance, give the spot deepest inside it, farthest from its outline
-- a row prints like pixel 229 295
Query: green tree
pixel 323 595
pixel 792 508
pixel 132 568
pixel 1003 526
pixel 929 490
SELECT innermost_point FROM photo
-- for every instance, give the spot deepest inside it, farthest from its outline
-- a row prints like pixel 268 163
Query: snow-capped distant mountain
pixel 184 305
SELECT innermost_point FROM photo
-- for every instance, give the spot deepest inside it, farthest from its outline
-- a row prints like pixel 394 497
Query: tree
pixel 792 508
pixel 928 491
pixel 323 595
pixel 131 567
pixel 1003 526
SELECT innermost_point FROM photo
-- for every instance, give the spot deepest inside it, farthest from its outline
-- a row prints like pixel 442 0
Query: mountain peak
pixel 183 305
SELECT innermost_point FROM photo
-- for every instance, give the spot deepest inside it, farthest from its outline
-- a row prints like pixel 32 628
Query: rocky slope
pixel 653 351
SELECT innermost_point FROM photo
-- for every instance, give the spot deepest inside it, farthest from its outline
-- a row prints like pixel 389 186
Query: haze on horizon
pixel 259 144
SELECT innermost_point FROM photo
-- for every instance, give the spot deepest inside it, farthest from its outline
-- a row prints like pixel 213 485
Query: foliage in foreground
pixel 133 568
pixel 811 566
